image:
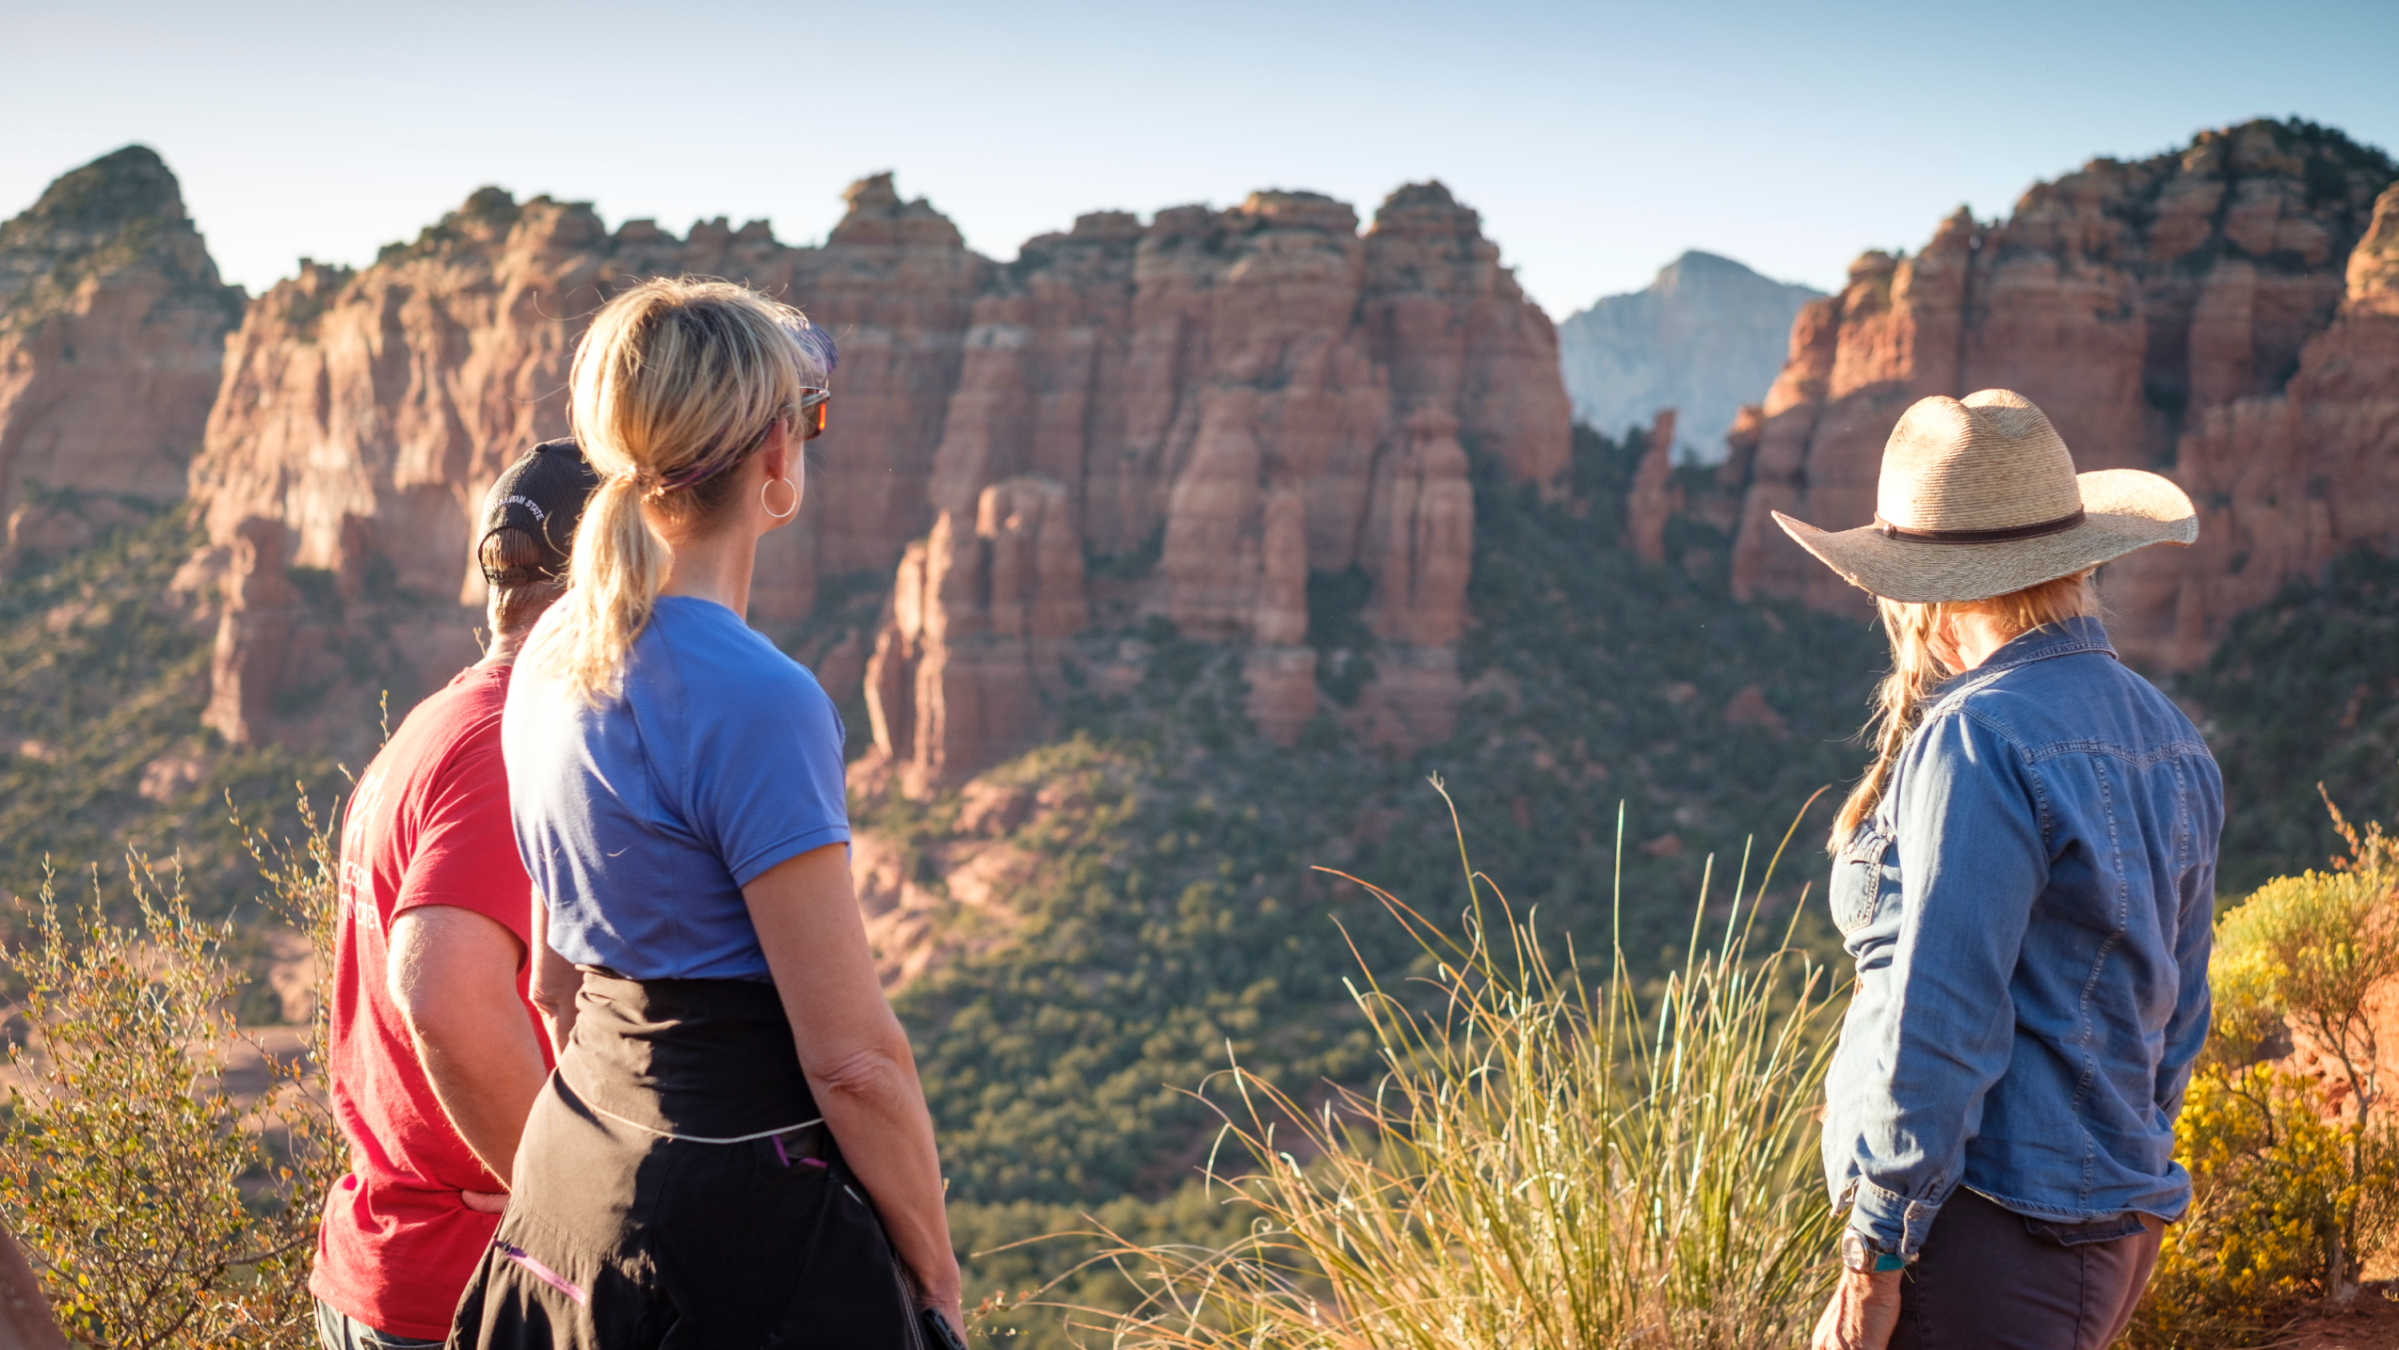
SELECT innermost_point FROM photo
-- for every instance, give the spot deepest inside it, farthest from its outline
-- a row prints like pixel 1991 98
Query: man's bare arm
pixel 453 977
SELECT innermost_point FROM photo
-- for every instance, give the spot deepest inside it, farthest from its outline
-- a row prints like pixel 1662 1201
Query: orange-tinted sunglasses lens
pixel 812 415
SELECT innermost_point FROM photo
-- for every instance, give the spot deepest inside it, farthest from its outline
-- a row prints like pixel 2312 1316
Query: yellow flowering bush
pixel 2295 1180
pixel 2270 1178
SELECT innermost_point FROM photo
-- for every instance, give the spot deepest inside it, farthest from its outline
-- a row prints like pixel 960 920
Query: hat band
pixel 2001 536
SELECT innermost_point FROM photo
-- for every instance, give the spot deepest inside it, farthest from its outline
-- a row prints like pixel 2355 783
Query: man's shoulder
pixel 460 719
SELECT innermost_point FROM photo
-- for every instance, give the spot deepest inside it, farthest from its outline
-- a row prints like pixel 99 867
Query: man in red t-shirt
pixel 436 1053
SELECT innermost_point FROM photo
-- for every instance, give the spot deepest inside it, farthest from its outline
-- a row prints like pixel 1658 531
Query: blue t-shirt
pixel 641 821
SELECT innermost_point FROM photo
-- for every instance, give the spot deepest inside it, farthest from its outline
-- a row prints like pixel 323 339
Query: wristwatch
pixel 1864 1255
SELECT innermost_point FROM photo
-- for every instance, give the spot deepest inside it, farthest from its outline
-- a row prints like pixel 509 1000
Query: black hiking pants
pixel 675 1189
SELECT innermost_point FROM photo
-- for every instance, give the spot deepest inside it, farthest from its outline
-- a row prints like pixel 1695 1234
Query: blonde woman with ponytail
pixel 2025 876
pixel 735 1148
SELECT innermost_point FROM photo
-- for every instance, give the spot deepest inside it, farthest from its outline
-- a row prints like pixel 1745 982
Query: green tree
pixel 159 1208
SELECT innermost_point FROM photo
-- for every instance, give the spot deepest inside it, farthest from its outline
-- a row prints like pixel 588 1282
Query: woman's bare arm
pixel 555 982
pixel 856 1057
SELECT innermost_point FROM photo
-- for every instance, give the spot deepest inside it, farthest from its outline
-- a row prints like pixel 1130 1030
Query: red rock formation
pixel 112 326
pixel 1458 333
pixel 366 412
pixel 254 634
pixel 974 640
pixel 1254 393
pixel 1217 404
pixel 2285 482
pixel 1652 498
pixel 2147 307
pixel 894 283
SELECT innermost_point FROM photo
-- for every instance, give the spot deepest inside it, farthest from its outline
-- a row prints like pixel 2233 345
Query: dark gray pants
pixel 337 1330
pixel 1988 1279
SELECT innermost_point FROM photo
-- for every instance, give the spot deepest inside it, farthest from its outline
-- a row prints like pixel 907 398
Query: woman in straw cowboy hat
pixel 2026 877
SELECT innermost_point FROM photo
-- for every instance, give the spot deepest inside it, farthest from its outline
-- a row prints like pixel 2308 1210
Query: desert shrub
pixel 158 1208
pixel 1544 1161
pixel 2295 1181
pixel 2268 1178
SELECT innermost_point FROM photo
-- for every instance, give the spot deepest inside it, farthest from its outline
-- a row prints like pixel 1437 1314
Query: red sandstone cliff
pixel 2196 313
pixel 1249 395
pixel 1217 403
pixel 112 325
pixel 2285 482
pixel 363 414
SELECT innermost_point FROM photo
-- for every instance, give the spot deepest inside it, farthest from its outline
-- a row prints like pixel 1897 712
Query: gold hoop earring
pixel 790 511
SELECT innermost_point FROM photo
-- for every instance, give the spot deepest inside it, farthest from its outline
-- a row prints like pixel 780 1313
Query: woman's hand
pixel 949 1308
pixel 943 1290
pixel 1862 1315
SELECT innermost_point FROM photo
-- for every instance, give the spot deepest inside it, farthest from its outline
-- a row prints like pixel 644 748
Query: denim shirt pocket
pixel 1865 888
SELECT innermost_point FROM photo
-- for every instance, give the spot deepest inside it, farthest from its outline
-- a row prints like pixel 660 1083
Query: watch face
pixel 1854 1255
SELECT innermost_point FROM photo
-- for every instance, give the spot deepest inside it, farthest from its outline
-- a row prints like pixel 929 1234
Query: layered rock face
pixel 2285 482
pixel 1214 405
pixel 981 614
pixel 363 415
pixel 2150 309
pixel 1702 339
pixel 1245 396
pixel 112 328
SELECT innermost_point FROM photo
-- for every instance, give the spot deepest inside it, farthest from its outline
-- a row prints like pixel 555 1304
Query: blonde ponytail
pixel 674 386
pixel 1919 633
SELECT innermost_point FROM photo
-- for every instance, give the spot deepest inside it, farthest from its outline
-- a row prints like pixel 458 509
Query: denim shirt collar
pixel 2063 639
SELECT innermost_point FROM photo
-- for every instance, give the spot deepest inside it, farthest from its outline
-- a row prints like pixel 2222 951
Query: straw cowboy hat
pixel 1979 497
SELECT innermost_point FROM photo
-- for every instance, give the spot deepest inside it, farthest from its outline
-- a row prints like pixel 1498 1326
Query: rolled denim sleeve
pixel 1967 816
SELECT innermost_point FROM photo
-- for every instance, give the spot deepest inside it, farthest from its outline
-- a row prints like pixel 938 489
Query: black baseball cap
pixel 543 495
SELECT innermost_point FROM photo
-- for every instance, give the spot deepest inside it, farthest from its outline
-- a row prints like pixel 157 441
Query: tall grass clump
pixel 158 1208
pixel 1546 1160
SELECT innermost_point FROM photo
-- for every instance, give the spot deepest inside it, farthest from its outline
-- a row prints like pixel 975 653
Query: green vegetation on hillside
pixel 106 674
pixel 1170 912
pixel 2305 690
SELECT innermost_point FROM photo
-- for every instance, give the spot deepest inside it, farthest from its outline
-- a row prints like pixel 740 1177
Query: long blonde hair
pixel 1916 668
pixel 674 386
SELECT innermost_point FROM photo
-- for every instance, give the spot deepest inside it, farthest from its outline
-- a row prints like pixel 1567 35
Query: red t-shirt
pixel 428 825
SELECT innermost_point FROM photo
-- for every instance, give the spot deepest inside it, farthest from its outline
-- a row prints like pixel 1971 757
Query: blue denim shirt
pixel 2030 909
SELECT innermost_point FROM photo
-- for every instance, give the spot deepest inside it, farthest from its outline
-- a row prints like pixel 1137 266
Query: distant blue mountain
pixel 1706 337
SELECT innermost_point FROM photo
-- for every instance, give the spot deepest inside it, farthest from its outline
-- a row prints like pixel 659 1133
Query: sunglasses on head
pixel 813 405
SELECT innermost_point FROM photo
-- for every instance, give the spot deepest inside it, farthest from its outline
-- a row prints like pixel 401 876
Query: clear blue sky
pixel 1597 140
